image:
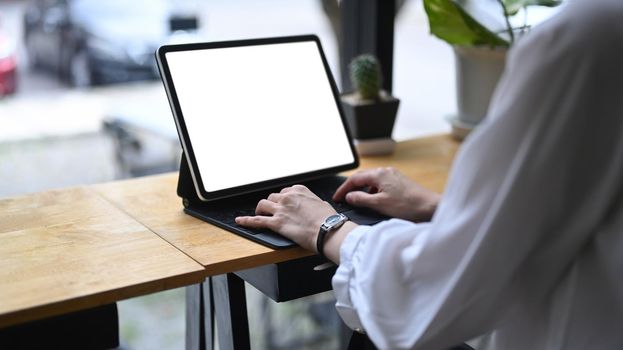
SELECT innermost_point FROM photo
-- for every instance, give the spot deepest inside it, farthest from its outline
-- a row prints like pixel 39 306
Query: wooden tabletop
pixel 153 202
pixel 70 249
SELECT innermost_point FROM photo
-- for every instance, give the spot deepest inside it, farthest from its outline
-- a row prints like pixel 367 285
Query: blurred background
pixel 81 97
pixel 81 102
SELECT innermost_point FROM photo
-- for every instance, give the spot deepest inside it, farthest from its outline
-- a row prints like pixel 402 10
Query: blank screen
pixel 257 113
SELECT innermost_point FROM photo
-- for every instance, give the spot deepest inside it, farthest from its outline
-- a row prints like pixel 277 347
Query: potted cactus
pixel 370 111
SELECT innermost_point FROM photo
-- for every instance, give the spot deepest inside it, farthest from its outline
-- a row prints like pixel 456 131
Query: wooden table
pixel 76 248
pixel 153 202
pixel 70 249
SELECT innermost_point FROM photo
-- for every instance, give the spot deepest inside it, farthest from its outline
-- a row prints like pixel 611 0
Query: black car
pixel 87 42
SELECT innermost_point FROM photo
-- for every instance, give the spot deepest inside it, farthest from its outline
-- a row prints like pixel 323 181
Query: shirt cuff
pixel 341 280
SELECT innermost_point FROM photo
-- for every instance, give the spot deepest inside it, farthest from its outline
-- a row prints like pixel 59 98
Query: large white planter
pixel 478 70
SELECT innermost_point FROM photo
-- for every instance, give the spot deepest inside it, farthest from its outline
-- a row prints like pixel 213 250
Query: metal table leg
pixel 230 307
pixel 195 337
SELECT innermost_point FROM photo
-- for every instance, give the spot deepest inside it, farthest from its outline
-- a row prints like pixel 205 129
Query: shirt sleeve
pixel 524 193
pixel 349 258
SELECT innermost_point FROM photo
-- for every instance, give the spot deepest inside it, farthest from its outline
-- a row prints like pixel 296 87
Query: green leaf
pixel 513 6
pixel 451 23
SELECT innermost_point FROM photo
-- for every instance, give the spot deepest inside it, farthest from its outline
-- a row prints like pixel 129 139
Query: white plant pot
pixel 478 70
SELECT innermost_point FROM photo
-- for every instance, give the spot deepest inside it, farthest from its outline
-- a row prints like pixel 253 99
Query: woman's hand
pixel 390 193
pixel 295 212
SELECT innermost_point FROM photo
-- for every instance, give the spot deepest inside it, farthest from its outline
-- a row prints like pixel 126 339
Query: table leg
pixel 195 339
pixel 230 308
pixel 208 314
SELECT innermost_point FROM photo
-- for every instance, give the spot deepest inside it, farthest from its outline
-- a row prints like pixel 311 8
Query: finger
pixel 294 189
pixel 258 221
pixel 358 180
pixel 300 188
pixel 275 197
pixel 364 199
pixel 265 207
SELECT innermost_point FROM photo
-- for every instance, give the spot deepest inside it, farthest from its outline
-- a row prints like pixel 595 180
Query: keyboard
pixel 228 209
pixel 223 212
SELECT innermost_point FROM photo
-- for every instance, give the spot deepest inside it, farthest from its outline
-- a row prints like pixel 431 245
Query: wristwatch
pixel 330 224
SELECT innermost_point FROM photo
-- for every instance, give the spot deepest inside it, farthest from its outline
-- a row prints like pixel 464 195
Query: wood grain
pixel 153 202
pixel 66 250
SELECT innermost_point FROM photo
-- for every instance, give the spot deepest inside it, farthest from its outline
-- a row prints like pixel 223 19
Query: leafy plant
pixel 365 74
pixel 513 6
pixel 450 22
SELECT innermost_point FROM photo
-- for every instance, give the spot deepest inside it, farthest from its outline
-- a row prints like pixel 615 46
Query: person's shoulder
pixel 596 19
pixel 595 14
pixel 583 28
pixel 589 23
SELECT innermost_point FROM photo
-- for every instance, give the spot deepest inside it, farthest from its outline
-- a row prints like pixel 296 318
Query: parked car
pixel 87 42
pixel 8 65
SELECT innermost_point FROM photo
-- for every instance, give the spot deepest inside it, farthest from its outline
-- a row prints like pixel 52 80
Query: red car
pixel 8 66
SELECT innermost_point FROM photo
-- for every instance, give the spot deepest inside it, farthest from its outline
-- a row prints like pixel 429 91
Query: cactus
pixel 365 74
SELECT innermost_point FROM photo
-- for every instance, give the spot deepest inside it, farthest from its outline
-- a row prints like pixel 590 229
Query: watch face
pixel 333 219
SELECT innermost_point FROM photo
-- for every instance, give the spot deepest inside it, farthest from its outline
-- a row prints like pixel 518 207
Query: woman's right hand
pixel 390 193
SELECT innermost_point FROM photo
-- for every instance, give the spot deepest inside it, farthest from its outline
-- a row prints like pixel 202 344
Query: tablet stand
pixel 185 185
pixel 274 280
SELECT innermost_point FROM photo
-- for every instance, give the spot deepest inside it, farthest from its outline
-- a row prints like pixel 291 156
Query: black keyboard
pixel 223 212
pixel 227 210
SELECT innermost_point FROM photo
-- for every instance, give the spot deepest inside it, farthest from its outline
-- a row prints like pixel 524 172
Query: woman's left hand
pixel 295 212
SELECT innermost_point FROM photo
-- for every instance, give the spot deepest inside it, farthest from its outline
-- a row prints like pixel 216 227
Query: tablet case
pixel 274 280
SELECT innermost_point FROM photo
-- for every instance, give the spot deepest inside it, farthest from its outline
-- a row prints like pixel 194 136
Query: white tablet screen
pixel 257 113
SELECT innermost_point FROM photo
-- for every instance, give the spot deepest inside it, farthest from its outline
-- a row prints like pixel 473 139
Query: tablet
pixel 255 114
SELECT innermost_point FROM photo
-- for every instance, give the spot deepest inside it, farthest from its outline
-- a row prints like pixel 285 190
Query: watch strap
pixel 322 235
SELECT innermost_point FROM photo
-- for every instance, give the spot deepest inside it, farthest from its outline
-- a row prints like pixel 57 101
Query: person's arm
pixel 390 193
pixel 297 213
pixel 525 195
pixel 523 198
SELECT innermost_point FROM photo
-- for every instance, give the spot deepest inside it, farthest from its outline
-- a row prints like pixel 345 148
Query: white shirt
pixel 527 242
